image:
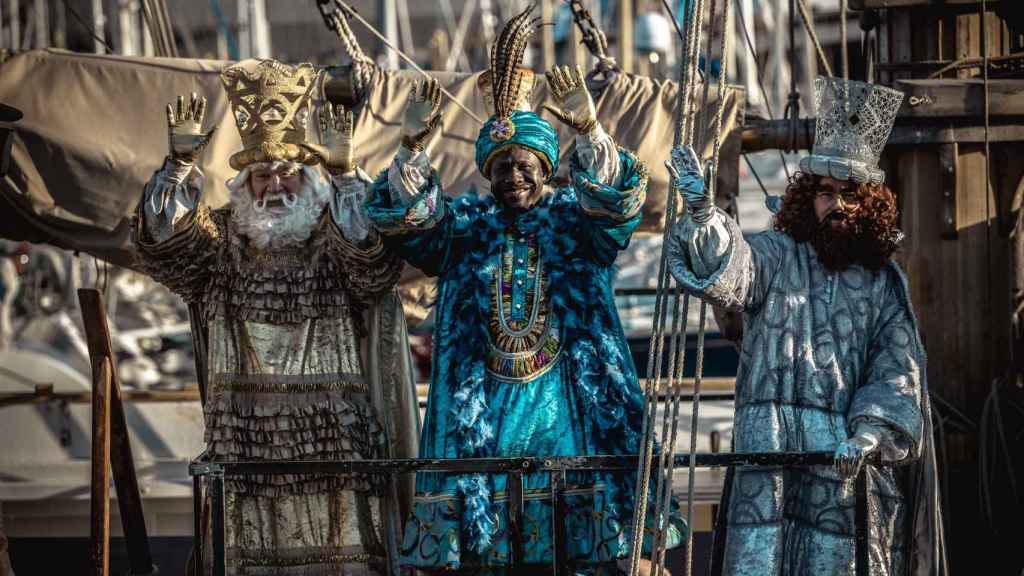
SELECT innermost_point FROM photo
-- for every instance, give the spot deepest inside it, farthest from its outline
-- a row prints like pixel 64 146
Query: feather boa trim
pixel 581 297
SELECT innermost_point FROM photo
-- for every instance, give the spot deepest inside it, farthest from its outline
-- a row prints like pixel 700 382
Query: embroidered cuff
pixel 420 212
pixel 617 203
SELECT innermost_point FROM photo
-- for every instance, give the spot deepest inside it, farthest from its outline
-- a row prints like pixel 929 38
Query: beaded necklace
pixel 522 344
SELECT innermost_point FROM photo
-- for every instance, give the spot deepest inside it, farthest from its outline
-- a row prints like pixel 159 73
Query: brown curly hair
pixel 867 235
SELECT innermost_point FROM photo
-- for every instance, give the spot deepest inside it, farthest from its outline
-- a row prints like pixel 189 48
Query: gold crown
pixel 270 101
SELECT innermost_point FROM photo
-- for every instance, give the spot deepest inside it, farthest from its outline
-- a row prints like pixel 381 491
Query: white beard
pixel 275 230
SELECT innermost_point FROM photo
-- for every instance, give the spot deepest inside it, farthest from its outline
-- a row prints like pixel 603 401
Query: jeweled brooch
pixel 503 129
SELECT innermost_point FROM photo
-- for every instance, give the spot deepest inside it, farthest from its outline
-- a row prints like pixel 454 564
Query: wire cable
pixel 760 80
pixel 349 11
pixel 809 26
pixel 85 25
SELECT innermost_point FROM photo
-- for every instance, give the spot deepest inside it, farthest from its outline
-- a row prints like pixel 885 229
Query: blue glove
pixel 688 178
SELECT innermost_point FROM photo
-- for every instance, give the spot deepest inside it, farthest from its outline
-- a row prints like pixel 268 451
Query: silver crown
pixel 853 125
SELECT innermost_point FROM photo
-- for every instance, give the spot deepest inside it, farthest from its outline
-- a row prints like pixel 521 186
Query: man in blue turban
pixel 529 356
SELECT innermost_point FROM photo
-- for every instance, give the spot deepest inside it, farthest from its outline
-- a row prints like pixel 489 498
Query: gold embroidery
pixel 277 561
pixel 280 383
pixel 521 350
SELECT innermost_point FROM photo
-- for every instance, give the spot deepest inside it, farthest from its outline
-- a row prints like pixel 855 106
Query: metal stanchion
pixel 862 545
pixel 515 515
pixel 217 510
pixel 198 514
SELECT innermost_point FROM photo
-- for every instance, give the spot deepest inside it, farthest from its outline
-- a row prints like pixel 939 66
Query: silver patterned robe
pixel 822 354
pixel 307 359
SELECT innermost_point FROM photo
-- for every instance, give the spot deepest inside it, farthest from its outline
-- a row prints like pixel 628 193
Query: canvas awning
pixel 94 131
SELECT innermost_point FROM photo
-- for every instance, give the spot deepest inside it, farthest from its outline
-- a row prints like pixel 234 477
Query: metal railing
pixel 216 474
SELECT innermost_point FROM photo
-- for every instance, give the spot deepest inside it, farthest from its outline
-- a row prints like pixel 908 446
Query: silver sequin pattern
pixel 815 361
pixel 853 118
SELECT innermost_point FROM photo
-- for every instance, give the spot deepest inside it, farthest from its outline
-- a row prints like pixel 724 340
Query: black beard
pixel 837 244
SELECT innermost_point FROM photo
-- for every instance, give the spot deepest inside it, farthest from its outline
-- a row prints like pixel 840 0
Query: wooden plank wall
pixel 961 286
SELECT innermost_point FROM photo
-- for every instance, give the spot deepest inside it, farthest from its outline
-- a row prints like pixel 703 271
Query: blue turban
pixel 530 131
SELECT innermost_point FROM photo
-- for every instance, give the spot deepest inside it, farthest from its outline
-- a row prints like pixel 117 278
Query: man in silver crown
pixel 307 357
pixel 831 359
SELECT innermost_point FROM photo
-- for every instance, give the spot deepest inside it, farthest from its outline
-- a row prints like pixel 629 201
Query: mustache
pixel 288 199
pixel 524 185
pixel 836 215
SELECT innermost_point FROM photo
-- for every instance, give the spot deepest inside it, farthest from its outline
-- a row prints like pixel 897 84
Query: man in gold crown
pixel 307 355
pixel 529 357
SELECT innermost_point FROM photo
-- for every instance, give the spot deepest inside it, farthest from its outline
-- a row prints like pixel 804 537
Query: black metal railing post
pixel 198 514
pixel 516 505
pixel 559 554
pixel 217 528
pixel 862 546
pixel 516 468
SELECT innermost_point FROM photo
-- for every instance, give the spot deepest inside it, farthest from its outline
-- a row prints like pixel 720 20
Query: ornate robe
pixel 822 354
pixel 529 358
pixel 307 359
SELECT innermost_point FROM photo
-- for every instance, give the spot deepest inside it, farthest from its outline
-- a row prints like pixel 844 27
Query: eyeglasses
pixel 848 195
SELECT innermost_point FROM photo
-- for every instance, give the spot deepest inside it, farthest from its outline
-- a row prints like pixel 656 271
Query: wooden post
pixel 953 197
pixel 547 34
pixel 99 26
pixel 41 12
pixel 99 507
pixel 578 54
pixel 60 26
pixel 117 454
pixel 626 35
pixel 14 27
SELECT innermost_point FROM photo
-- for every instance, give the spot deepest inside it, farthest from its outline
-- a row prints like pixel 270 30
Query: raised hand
pixel 688 178
pixel 422 114
pixel 335 149
pixel 575 105
pixel 185 129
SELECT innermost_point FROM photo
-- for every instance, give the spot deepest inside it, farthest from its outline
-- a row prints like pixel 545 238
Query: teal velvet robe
pixel 587 402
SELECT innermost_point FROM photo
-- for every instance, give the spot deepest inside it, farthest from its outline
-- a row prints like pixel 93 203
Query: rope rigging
pixel 764 94
pixel 159 23
pixel 813 36
pixel 349 12
pixel 694 20
pixel 684 133
pixel 792 110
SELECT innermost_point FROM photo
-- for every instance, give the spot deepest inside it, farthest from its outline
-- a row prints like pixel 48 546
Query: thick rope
pixel 844 40
pixel 725 46
pixel 698 378
pixel 349 42
pixel 809 26
pixel 667 465
pixel 362 65
pixel 666 468
pixel 693 53
pixel 353 14
pixel 652 382
pixel 158 22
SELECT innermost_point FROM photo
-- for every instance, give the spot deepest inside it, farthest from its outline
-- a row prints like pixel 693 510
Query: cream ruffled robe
pixel 307 359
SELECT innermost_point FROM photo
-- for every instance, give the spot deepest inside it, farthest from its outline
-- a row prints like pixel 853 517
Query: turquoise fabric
pixel 589 403
pixel 531 131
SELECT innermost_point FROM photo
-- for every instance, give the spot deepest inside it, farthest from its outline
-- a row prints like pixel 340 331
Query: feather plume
pixel 506 56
